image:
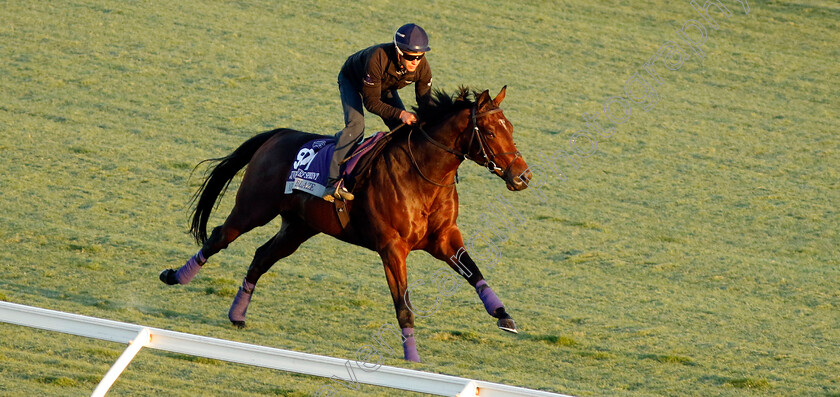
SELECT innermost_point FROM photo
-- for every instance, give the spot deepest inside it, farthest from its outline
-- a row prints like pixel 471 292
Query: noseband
pixel 481 137
pixel 487 154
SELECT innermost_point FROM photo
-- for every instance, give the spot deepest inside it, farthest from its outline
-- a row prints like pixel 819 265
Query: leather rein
pixel 487 154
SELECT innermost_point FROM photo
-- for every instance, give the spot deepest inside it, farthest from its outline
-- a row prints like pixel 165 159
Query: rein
pixel 489 161
pixel 438 144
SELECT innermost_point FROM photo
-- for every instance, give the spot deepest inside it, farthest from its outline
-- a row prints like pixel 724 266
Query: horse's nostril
pixel 520 181
pixel 525 177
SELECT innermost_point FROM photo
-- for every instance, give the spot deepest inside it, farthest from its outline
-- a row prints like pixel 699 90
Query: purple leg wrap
pixel 186 273
pixel 488 297
pixel 410 345
pixel 240 302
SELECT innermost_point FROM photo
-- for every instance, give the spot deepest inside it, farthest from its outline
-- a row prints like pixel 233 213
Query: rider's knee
pixel 354 129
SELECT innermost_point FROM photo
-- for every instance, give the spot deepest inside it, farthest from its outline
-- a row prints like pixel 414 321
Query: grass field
pixel 694 253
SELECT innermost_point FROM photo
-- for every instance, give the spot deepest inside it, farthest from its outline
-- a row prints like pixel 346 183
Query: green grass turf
pixel 694 253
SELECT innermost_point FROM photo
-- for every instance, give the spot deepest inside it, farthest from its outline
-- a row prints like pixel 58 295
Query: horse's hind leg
pixel 236 224
pixel 219 239
pixel 291 235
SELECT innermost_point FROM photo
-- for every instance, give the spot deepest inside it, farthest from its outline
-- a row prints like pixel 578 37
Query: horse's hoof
pixel 168 277
pixel 238 324
pixel 507 324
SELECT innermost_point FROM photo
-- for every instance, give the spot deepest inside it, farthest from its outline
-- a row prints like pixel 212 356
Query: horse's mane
pixel 442 105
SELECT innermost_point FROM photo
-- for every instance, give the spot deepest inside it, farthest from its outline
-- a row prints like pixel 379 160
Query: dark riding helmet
pixel 411 38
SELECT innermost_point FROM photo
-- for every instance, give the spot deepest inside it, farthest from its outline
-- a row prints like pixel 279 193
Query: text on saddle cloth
pixel 311 168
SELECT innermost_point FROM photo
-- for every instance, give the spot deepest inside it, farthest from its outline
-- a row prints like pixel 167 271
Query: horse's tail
pixel 216 183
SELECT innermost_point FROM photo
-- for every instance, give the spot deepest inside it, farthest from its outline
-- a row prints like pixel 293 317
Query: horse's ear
pixel 501 97
pixel 483 99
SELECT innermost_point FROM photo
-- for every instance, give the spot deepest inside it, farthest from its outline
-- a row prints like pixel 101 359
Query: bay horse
pixel 408 202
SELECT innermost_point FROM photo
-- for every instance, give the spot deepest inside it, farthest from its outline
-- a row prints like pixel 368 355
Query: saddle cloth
pixel 311 168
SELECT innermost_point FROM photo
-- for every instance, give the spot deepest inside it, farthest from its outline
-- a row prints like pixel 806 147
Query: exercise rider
pixel 371 78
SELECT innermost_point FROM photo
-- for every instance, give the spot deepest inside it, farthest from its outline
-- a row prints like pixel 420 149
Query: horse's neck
pixel 450 132
pixel 435 160
pixel 418 159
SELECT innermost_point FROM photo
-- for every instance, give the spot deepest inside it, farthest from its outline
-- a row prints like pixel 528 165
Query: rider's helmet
pixel 411 38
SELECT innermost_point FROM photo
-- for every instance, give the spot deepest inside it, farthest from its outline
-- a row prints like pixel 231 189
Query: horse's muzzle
pixel 517 175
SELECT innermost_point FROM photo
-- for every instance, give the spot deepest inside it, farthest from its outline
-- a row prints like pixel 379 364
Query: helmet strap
pixel 397 46
pixel 401 67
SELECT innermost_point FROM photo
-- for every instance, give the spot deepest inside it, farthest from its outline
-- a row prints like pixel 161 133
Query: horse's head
pixel 491 142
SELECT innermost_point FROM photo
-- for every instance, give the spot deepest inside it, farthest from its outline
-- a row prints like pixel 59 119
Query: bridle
pixel 487 154
pixel 489 161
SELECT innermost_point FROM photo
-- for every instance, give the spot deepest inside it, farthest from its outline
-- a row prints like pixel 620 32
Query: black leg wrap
pixel 500 313
pixel 168 277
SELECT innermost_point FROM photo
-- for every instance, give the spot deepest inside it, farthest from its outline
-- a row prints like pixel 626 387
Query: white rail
pixel 310 364
pixel 143 338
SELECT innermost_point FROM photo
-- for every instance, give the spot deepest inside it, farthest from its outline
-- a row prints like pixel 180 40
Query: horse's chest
pixel 411 224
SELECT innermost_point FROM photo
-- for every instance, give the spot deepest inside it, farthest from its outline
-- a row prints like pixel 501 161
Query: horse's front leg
pixel 449 247
pixel 393 258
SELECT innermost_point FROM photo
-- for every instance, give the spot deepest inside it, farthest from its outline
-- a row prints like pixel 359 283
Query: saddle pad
pixel 311 168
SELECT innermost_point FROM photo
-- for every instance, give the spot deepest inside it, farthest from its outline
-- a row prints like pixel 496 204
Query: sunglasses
pixel 408 57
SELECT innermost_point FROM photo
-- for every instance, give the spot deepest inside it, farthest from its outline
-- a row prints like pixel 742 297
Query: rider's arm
pixel 372 87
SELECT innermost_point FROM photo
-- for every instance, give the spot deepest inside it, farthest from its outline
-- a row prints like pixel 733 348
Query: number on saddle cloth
pixel 310 170
pixel 311 167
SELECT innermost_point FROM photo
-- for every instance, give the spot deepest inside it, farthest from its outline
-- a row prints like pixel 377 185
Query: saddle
pixel 310 170
pixel 356 167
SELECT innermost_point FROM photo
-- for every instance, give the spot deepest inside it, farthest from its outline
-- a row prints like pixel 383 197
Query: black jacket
pixel 375 70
